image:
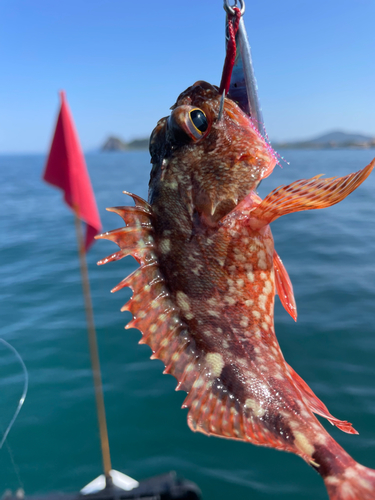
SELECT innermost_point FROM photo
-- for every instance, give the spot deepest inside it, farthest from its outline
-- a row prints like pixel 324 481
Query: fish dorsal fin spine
pixel 133 216
pixel 154 313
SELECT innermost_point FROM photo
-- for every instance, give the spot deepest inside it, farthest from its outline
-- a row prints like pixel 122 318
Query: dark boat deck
pixel 165 487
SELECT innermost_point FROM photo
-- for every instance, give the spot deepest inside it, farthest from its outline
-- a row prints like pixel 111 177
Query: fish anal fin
pixel 214 411
pixel 317 406
pixel 284 286
pixel 307 195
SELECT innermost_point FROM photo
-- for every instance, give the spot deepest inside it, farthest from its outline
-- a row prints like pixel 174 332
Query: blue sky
pixel 123 63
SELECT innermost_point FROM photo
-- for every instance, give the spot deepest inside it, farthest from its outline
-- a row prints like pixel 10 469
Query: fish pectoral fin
pixel 307 194
pixel 284 286
pixel 317 406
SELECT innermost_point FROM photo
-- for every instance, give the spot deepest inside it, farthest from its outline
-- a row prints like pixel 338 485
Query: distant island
pixel 331 140
pixel 116 144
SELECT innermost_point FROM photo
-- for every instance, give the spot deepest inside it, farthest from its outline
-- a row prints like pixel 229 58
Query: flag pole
pixel 94 353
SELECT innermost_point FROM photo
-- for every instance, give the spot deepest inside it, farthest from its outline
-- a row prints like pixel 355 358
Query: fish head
pixel 209 147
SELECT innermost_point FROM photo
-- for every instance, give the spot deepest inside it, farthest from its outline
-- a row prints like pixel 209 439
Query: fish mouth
pixel 222 208
pixel 221 193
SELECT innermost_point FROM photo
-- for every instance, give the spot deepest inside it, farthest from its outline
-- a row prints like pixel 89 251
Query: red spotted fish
pixel 203 296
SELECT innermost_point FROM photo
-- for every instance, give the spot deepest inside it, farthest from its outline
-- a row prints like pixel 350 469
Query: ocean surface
pixel 54 445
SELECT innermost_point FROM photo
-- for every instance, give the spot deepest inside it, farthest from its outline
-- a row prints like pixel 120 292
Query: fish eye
pixel 199 120
pixel 186 124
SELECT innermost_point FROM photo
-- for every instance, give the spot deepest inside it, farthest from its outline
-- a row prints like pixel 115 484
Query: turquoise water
pixel 54 443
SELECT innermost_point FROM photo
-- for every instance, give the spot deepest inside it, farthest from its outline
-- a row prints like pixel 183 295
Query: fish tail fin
pixel 355 483
pixel 307 194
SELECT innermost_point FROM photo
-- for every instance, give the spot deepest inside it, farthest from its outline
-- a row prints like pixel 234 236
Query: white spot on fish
pixel 262 302
pixel 172 184
pixel 267 287
pixel 347 491
pixel 303 444
pixel 320 438
pixel 255 407
pixel 275 351
pixel 165 245
pixel 240 257
pixel 250 276
pixel 262 264
pixel 244 321
pixel 261 254
pixel 332 480
pixel 198 383
pixel 215 362
pixel 213 301
pixel 183 301
pixel 175 356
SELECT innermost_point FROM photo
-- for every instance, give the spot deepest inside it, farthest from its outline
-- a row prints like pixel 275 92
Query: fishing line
pixel 15 467
pixel 24 393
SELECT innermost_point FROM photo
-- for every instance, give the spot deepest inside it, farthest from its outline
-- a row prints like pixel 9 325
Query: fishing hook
pixel 221 109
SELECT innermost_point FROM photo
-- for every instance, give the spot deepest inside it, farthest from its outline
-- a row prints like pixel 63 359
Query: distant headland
pixel 117 144
pixel 331 140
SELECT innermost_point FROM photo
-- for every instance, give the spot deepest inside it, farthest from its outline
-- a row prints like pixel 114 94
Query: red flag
pixel 66 169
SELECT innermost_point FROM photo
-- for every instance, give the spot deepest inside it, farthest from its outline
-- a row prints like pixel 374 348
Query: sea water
pixel 54 444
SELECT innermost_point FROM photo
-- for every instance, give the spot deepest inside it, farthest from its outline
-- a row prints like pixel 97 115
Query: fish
pixel 203 295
